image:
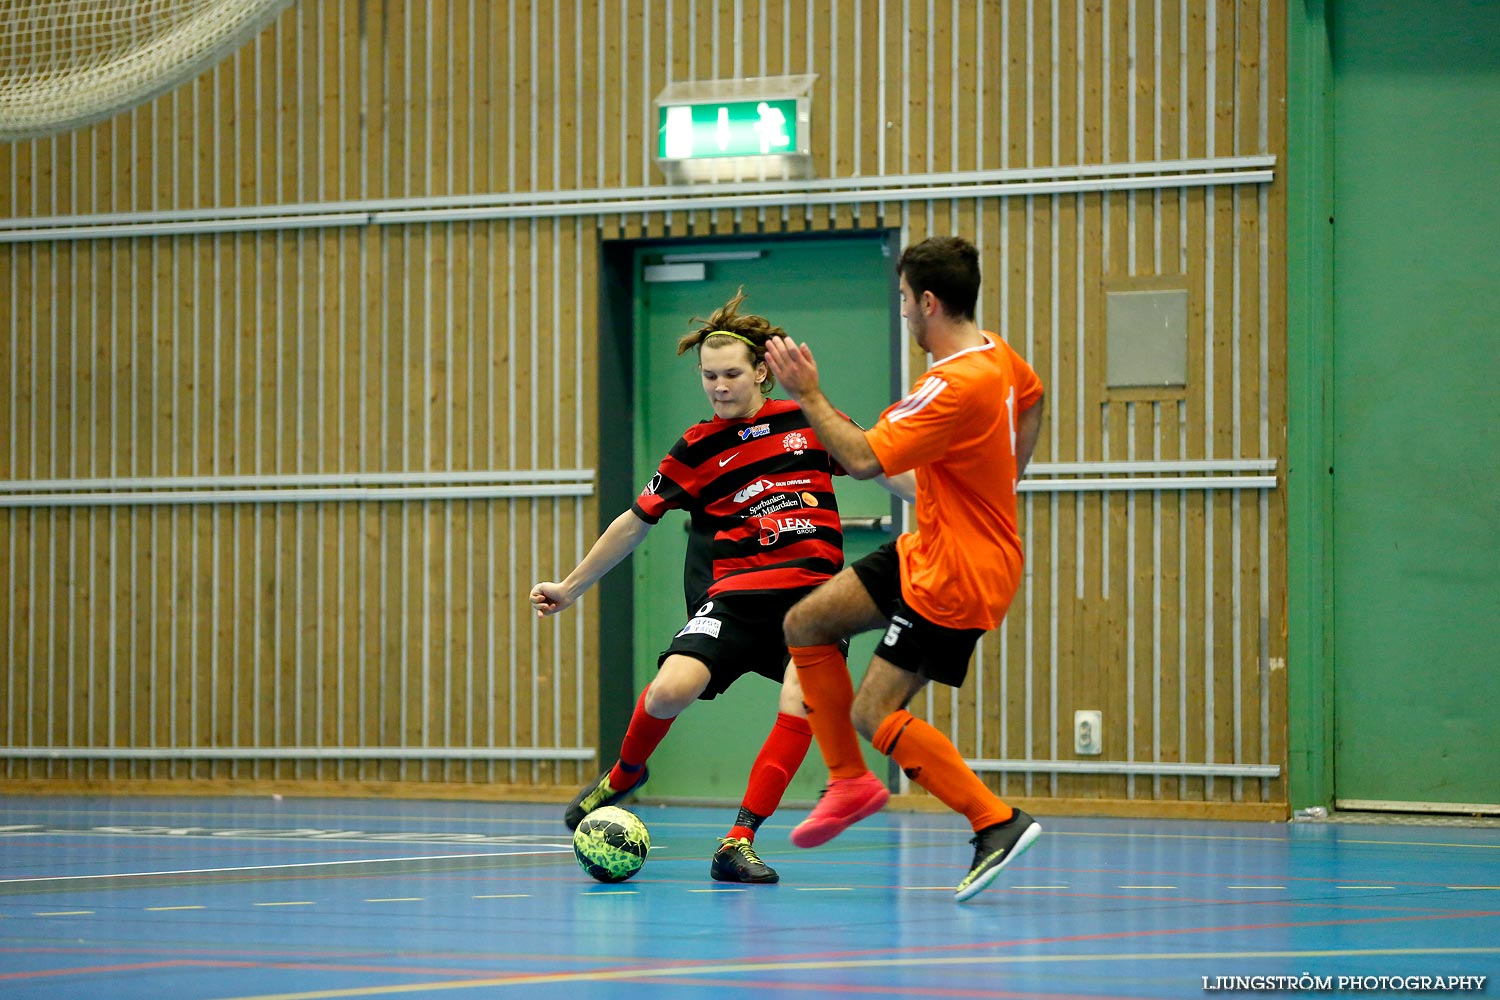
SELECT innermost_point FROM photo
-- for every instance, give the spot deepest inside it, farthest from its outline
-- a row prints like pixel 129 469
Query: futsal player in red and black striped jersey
pixel 757 485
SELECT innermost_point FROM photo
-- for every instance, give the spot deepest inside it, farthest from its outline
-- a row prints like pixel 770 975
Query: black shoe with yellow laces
pixel 736 861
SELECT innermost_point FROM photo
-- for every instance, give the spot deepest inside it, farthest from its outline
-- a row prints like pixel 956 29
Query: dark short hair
pixel 946 266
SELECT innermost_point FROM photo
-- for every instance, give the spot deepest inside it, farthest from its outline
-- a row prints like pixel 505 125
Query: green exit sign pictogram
pixel 729 128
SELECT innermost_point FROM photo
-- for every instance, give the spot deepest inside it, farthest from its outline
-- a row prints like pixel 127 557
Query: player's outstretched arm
pixel 618 541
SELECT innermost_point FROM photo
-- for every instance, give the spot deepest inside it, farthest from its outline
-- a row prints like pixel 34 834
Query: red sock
pixel 932 761
pixel 828 692
pixel 642 737
pixel 780 756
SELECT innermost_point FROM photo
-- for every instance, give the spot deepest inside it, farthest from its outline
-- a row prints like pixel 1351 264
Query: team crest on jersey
pixel 795 442
pixel 759 430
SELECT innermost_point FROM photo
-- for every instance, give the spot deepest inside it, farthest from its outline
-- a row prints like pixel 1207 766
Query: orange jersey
pixel 957 429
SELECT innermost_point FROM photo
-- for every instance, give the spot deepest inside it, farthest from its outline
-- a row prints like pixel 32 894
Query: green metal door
pixel 835 294
pixel 1416 495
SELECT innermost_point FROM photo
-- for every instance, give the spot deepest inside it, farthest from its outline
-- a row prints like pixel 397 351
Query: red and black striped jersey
pixel 759 492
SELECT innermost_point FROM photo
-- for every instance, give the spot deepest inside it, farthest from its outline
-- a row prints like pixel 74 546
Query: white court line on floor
pixel 528 983
pixel 43 879
pixel 293 836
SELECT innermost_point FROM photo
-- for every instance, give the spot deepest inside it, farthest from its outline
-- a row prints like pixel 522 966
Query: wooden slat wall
pixel 359 624
pixel 465 346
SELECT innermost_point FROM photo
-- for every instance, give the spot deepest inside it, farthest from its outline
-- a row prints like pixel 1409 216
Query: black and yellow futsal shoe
pixel 736 861
pixel 597 796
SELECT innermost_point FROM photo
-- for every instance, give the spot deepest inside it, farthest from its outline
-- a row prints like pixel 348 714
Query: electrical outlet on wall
pixel 1088 732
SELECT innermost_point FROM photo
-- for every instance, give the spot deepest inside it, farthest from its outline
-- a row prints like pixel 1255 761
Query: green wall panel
pixel 1416 416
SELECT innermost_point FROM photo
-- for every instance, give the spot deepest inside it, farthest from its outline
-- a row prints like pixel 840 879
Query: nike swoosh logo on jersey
pixel 725 461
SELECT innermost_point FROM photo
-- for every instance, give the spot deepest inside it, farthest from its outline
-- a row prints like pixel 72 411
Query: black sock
pixel 748 820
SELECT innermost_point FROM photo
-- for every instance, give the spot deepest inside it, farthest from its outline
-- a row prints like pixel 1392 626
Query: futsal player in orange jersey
pixel 968 428
pixel 764 531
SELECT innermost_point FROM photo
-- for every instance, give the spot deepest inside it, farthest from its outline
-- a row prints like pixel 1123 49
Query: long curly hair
pixel 726 326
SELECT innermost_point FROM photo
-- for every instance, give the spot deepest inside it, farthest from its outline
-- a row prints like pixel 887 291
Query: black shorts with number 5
pixel 911 642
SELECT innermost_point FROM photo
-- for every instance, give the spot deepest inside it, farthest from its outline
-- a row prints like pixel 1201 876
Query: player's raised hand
pixel 549 598
pixel 793 366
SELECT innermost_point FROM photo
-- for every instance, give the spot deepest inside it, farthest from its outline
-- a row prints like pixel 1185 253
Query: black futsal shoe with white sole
pixel 994 848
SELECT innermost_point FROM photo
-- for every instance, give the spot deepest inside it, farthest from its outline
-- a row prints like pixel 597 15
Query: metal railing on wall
pixel 298 753
pixel 1200 474
pixel 1159 768
pixel 297 488
pixel 892 188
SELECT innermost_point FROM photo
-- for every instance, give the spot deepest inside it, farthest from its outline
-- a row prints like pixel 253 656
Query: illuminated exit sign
pixel 749 129
pixel 733 128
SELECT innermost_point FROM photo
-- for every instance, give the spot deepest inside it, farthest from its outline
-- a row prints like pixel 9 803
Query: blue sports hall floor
pixel 161 899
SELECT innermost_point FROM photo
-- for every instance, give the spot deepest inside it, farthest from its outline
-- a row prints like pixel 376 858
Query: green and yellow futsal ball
pixel 611 844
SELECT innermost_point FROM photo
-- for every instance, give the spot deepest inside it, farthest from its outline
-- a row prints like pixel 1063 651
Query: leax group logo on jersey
pixel 772 528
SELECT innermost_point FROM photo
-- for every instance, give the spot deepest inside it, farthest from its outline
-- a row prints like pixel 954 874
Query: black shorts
pixel 911 642
pixel 738 634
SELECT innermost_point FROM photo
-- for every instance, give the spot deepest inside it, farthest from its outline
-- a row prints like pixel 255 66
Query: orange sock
pixel 828 692
pixel 932 761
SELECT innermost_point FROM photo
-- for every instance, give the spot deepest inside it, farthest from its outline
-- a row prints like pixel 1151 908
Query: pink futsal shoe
pixel 844 802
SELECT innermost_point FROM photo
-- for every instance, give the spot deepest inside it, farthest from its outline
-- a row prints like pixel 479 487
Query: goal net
pixel 66 63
